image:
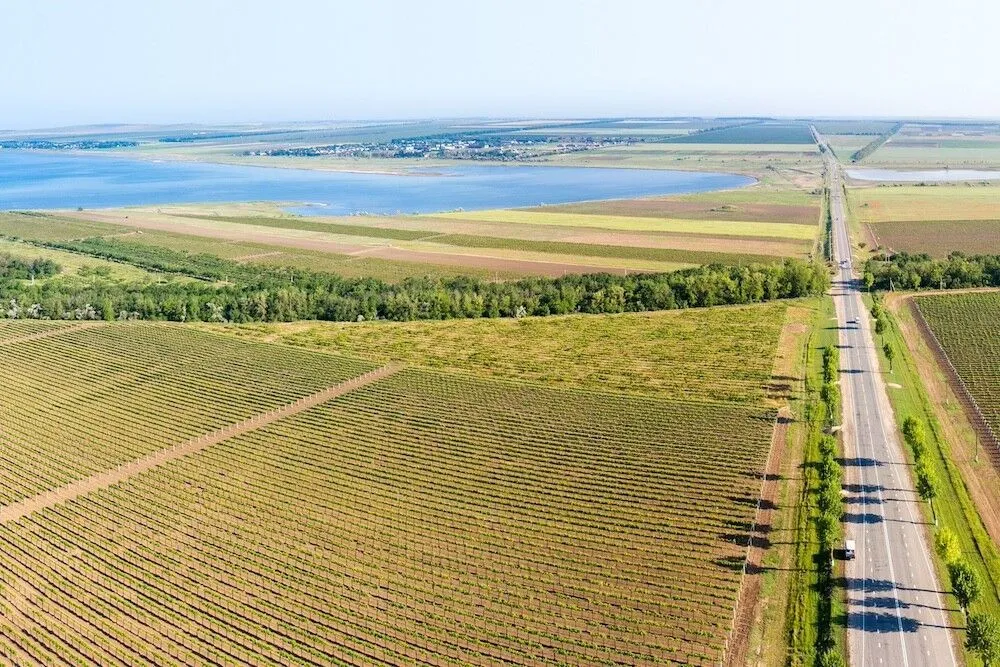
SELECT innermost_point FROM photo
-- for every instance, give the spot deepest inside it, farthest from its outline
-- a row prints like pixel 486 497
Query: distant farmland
pixel 755 133
pixel 931 219
pixel 450 515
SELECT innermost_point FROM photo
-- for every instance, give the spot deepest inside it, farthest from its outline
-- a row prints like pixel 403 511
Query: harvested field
pixel 938 238
pixel 913 202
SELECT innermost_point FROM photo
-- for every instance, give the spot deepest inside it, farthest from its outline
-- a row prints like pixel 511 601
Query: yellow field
pixel 628 223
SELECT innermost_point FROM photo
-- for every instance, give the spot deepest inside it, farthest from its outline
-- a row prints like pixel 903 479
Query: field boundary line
pixel 48 333
pixel 259 255
pixel 108 478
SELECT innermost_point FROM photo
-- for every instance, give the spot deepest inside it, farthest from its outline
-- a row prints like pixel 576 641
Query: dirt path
pixel 108 478
pixel 49 332
pixel 746 605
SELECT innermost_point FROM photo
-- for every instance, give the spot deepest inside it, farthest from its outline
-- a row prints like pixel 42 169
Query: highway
pixel 896 611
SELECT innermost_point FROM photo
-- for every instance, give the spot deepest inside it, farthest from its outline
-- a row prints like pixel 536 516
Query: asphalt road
pixel 896 609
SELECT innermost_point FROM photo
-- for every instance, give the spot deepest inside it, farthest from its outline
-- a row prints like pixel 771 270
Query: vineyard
pixel 420 516
pixel 424 518
pixel 89 399
pixel 966 325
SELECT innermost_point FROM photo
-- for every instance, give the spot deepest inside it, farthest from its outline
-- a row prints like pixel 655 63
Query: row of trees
pixel 874 145
pixel 230 291
pixel 921 271
pixel 829 501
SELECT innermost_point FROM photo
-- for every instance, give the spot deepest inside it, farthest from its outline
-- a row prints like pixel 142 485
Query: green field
pixel 657 354
pixel 925 146
pixel 968 328
pixel 582 483
pixel 632 223
pixel 755 133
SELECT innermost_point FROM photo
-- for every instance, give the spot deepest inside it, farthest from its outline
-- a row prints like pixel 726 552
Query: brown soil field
pixel 938 238
pixel 694 210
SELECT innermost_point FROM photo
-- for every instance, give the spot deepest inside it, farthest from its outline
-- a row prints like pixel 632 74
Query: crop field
pixel 91 398
pixel 844 145
pixel 418 519
pixel 789 206
pixel 931 219
pixel 938 238
pixel 755 133
pixel 634 223
pixel 968 328
pixel 853 127
pixel 659 234
pixel 914 202
pixel 796 166
pixel 929 146
pixel 515 492
pixel 656 354
pixel 13 329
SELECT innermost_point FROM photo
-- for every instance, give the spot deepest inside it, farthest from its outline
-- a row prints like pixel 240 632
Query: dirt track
pixel 22 508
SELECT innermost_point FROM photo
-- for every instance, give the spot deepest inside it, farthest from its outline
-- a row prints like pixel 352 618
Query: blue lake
pixel 41 180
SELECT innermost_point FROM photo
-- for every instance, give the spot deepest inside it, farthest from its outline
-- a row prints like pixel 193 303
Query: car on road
pixel 849 550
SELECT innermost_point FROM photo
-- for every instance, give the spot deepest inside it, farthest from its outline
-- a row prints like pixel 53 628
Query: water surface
pixel 922 176
pixel 47 180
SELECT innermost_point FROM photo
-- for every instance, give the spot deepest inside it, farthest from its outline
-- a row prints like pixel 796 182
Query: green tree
pixel 947 546
pixel 869 280
pixel 831 657
pixel 927 485
pixel 982 637
pixel 889 353
pixel 965 583
pixel 880 326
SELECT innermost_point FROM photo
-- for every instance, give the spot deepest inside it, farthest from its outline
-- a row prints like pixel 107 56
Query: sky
pixel 65 62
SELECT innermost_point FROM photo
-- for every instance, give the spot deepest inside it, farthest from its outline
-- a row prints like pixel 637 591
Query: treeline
pixel 236 292
pixel 830 503
pixel 921 271
pixel 874 145
pixel 15 268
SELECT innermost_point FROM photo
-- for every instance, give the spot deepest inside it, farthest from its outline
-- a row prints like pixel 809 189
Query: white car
pixel 849 550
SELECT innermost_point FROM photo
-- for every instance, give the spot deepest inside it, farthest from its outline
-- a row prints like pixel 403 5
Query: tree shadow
pixel 863 488
pixel 861 462
pixel 862 518
pixel 881 622
pixel 862 500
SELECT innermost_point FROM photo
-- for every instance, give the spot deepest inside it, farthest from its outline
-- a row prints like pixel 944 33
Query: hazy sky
pixel 67 62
